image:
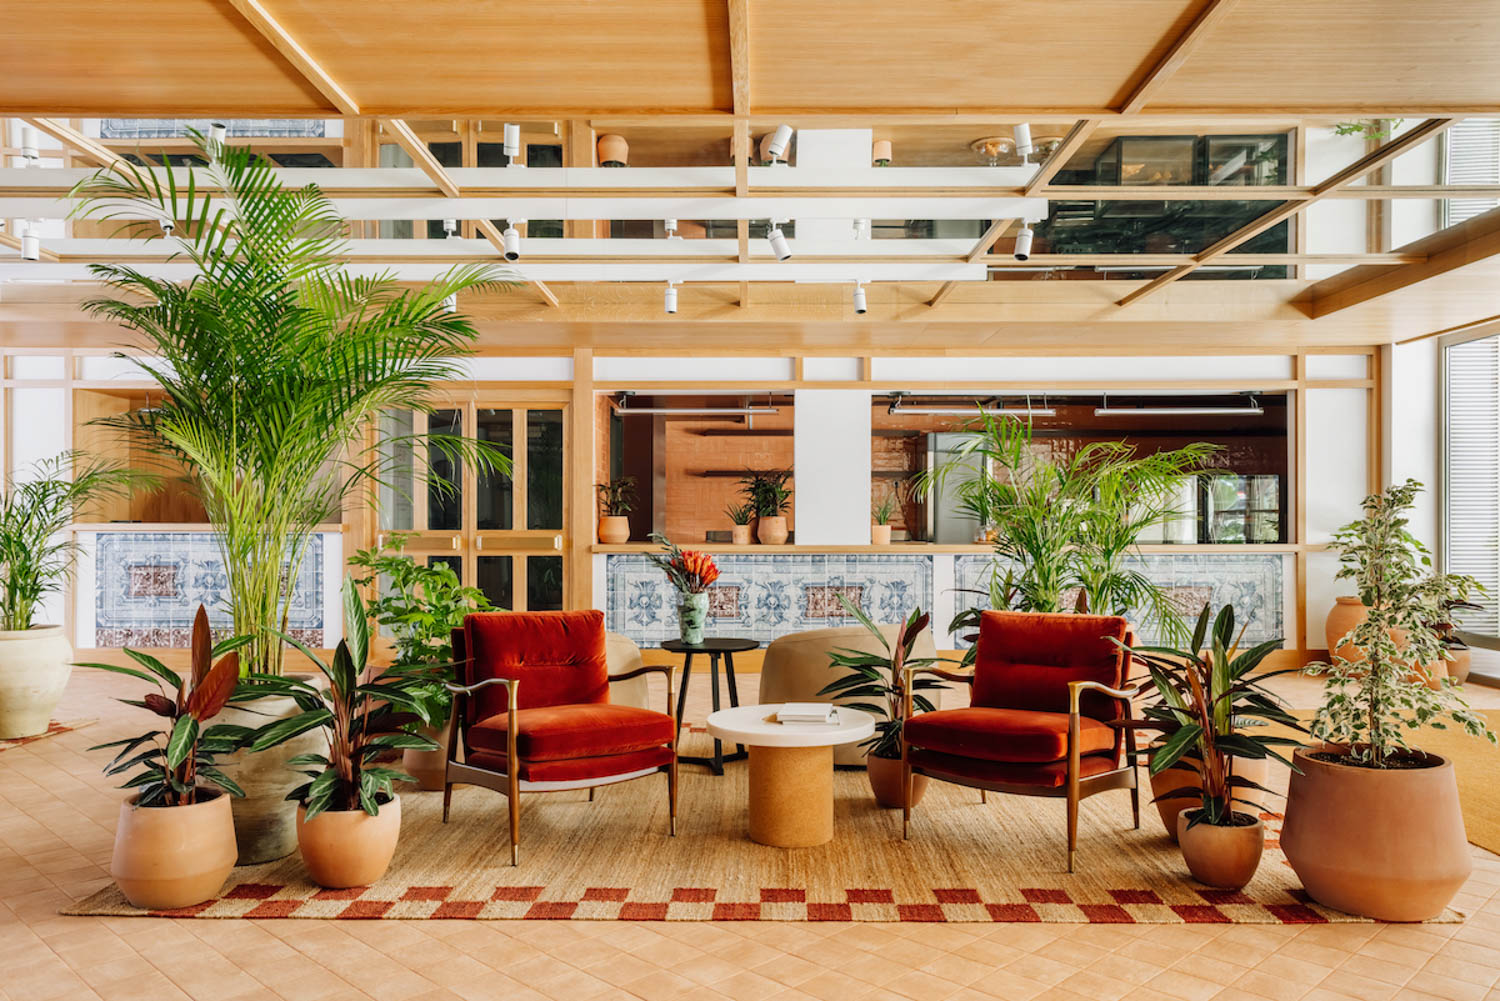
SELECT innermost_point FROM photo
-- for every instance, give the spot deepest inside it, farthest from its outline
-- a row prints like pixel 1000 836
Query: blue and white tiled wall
pixel 142 589
pixel 762 597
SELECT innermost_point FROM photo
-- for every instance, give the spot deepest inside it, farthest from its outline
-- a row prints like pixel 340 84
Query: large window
pixel 1471 473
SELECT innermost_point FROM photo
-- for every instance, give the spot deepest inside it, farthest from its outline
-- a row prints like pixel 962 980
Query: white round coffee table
pixel 791 770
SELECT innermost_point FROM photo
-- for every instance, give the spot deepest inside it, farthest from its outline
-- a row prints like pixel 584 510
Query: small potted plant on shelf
pixel 421 605
pixel 36 559
pixel 875 684
pixel 769 495
pixel 617 499
pixel 692 574
pixel 174 844
pixel 740 516
pixel 1207 705
pixel 880 521
pixel 348 815
pixel 1391 809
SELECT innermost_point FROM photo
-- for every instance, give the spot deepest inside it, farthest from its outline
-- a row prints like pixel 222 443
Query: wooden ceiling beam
pixel 739 55
pixel 1372 160
pixel 942 293
pixel 292 51
pixel 1176 55
pixel 421 155
pixel 82 145
pixel 1072 143
pixel 987 241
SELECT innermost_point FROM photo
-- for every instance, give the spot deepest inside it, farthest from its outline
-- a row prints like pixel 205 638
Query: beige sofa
pixel 621 655
pixel 797 667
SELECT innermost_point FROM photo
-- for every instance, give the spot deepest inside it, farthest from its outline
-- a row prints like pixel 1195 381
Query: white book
pixel 807 712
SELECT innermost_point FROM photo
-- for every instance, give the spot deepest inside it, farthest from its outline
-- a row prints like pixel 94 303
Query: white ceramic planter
pixel 34 668
pixel 265 823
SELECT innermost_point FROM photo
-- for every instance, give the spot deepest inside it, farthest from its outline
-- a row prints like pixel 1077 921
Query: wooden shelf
pixel 745 433
pixel 736 473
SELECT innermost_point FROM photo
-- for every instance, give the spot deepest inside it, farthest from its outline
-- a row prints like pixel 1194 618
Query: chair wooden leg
pixel 905 798
pixel 984 796
pixel 1075 767
pixel 591 794
pixel 447 799
pixel 514 795
pixel 672 799
pixel 1135 805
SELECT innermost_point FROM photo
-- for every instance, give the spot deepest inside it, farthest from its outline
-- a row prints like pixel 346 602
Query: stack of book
pixel 808 714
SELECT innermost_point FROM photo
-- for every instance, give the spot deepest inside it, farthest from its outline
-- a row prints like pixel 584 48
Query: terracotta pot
pixel 173 856
pixel 1347 612
pixel 614 529
pixel 1222 857
pixel 614 151
pixel 343 848
pixel 1180 778
pixel 885 782
pixel 740 535
pixel 429 768
pixel 1462 662
pixel 880 535
pixel 34 667
pixel 772 531
pixel 1384 843
pixel 264 820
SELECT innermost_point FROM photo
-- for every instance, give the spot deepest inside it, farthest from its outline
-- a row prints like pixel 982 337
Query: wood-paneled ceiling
pixel 569 58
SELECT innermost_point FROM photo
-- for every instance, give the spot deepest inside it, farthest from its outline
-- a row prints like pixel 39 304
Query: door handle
pixel 457 543
pixel 557 542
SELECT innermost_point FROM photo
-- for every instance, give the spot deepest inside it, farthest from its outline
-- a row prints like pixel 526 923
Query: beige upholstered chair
pixel 796 667
pixel 623 656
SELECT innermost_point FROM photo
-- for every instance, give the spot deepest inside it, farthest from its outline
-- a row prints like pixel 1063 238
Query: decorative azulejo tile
pixel 148 586
pixel 763 597
pixel 157 128
pixel 1250 581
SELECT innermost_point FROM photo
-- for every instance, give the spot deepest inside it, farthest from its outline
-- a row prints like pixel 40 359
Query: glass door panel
pixel 496 576
pixel 494 493
pixel 544 469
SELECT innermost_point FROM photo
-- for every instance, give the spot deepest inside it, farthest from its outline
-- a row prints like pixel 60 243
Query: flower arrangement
pixel 692 574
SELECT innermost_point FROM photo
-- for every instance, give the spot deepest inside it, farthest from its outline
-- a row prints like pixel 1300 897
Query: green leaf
pixel 1175 746
pixel 180 743
pixel 283 730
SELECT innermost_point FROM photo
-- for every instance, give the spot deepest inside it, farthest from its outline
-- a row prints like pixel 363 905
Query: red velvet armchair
pixel 1045 689
pixel 532 713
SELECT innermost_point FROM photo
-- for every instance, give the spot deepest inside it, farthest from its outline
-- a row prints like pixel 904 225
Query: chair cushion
pixel 1026 660
pixel 576 769
pixel 1043 775
pixel 1015 735
pixel 556 733
pixel 558 657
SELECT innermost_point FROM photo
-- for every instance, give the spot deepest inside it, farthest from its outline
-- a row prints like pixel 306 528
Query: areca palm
pixel 271 360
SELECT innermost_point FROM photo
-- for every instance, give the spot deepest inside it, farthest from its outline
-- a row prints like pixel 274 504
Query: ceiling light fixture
pixel 30 151
pixel 450 303
pixel 670 225
pixel 862 229
pixel 995 151
pixel 860 305
pixel 779 246
pixel 1024 147
pixel 1252 409
pixel 511 146
pixel 669 300
pixel 897 406
pixel 450 228
pixel 623 409
pixel 776 148
pixel 31 245
pixel 512 240
pixel 218 134
pixel 1023 243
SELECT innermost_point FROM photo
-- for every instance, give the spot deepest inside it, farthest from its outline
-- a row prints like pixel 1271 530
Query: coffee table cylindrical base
pixel 791 796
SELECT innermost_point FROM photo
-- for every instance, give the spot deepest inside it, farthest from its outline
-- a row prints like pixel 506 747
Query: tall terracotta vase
pixel 1347 612
pixel 1385 843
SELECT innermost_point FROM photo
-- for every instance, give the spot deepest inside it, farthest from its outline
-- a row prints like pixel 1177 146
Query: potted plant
pixel 1460 657
pixel 174 844
pixel 270 364
pixel 617 499
pixel 1207 703
pixel 1390 809
pixel 880 521
pixel 872 676
pixel 420 604
pixel 692 574
pixel 348 815
pixel 740 516
pixel 769 495
pixel 36 559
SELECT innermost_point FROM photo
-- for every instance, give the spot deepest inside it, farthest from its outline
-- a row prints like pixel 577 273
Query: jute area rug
pixel 1477 764
pixel 54 728
pixel 612 860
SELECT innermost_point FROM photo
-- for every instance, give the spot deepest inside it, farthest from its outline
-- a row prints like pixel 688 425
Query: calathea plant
pixel 877 680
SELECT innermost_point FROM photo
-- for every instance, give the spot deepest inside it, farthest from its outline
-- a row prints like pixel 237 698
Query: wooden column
pixel 581 527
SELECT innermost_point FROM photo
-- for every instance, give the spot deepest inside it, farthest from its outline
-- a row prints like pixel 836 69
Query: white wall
pixel 831 463
pixel 1412 425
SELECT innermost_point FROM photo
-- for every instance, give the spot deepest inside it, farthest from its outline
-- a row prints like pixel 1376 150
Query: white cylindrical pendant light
pixel 512 146
pixel 669 300
pixel 1024 147
pixel 31 245
pixel 1023 243
pixel 779 246
pixel 512 243
pixel 860 305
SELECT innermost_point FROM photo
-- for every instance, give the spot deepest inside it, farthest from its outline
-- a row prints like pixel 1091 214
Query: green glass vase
pixel 692 616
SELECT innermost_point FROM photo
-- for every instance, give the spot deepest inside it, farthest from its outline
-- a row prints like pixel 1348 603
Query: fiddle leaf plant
pixel 364 712
pixel 180 753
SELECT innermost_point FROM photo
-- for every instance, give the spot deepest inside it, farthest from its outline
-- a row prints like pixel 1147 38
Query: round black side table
pixel 715 648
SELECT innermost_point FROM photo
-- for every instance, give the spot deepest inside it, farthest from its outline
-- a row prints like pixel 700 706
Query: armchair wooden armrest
pixel 1077 688
pixel 667 669
pixel 909 674
pixel 460 700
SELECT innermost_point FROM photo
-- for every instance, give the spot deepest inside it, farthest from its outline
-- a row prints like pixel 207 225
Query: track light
pixel 30 150
pixel 168 226
pixel 31 245
pixel 779 246
pixel 1250 409
pixel 218 134
pixel 861 229
pixel 669 300
pixel 512 146
pixel 1024 147
pixel 1023 243
pixel 778 144
pixel 670 225
pixel 450 228
pixel 860 306
pixel 997 410
pixel 450 303
pixel 512 243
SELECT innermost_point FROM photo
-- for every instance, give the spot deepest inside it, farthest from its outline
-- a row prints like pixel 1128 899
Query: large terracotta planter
pixel 1181 778
pixel 1384 843
pixel 1222 857
pixel 885 782
pixel 264 821
pixel 429 768
pixel 34 668
pixel 614 529
pixel 343 848
pixel 173 856
pixel 739 535
pixel 772 531
pixel 880 535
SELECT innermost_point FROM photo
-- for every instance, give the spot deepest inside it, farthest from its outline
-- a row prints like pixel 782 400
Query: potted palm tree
pixel 36 559
pixel 875 684
pixel 174 844
pixel 272 362
pixel 1390 808
pixel 348 814
pixel 617 499
pixel 1208 703
pixel 420 605
pixel 769 495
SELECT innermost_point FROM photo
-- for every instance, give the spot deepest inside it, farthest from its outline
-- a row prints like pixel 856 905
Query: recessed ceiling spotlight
pixel 1023 243
pixel 512 240
pixel 779 142
pixel 860 306
pixel 31 245
pixel 512 143
pixel 1024 148
pixel 669 300
pixel 779 246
